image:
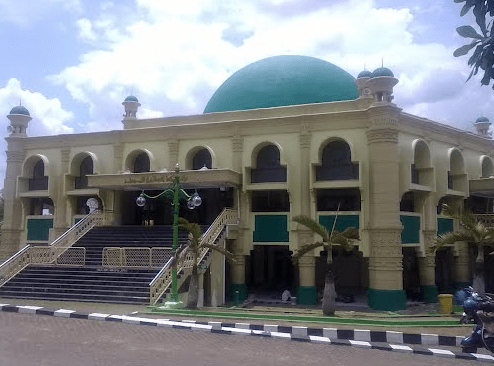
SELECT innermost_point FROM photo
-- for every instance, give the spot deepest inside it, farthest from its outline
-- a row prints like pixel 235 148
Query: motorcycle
pixel 481 311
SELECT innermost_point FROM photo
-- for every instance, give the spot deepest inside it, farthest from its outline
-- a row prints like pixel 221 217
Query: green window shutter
pixel 411 229
pixel 342 222
pixel 39 229
pixel 444 225
pixel 271 228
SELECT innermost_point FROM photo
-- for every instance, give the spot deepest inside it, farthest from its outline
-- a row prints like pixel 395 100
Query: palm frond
pixel 192 228
pixel 305 249
pixel 313 225
pixel 228 255
pixel 349 233
pixel 464 217
pixel 451 237
pixel 345 242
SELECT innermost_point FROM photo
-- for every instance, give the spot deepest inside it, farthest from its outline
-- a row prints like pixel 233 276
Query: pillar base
pixel 429 293
pixel 306 295
pixel 233 297
pixel 389 300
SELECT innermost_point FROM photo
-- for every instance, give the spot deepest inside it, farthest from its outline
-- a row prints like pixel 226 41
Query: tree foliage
pixel 194 247
pixel 481 43
pixel 329 238
pixel 471 230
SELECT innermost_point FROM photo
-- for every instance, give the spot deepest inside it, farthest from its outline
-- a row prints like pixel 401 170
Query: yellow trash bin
pixel 445 303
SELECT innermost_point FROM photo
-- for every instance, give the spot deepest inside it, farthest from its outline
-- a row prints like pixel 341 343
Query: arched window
pixel 39 181
pixel 336 163
pixel 141 163
pixel 202 159
pixel 268 168
pixel 487 167
pixel 420 168
pixel 456 173
pixel 85 168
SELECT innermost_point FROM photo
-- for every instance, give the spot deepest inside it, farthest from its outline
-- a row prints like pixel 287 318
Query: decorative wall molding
pixel 385 250
pixel 382 135
pixel 15 156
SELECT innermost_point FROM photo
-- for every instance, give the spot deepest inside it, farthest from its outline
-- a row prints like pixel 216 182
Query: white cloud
pixel 85 30
pixel 49 118
pixel 174 55
pixel 48 112
pixel 148 113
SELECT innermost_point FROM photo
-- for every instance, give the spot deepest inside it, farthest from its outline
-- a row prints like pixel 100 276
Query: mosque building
pixel 281 137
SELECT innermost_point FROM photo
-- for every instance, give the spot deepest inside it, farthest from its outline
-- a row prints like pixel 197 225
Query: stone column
pixel 462 271
pixel 13 217
pixel 200 290
pixel 118 158
pixel 60 222
pixel 173 148
pixel 305 138
pixel 306 291
pixel 427 269
pixel 237 150
pixel 238 291
pixel 427 258
pixel 385 262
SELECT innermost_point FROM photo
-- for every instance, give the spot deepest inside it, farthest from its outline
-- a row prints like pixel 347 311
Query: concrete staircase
pixel 93 281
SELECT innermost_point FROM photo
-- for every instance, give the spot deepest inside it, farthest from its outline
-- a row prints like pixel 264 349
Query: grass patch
pixel 308 318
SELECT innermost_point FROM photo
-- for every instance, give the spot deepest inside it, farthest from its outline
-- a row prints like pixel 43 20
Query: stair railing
pixel 486 219
pixel 14 264
pixel 136 257
pixel 68 238
pixel 163 279
pixel 32 254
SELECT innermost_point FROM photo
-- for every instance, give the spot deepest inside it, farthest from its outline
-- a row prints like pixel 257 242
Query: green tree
pixel 473 231
pixel 483 42
pixel 329 238
pixel 194 247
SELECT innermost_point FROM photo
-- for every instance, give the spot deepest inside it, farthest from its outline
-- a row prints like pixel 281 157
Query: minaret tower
pixel 482 125
pixel 131 105
pixel 380 85
pixel 12 224
pixel 19 120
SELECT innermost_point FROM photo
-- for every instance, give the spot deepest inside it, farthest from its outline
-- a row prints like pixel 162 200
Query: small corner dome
pixel 20 110
pixel 482 119
pixel 364 74
pixel 282 81
pixel 382 71
pixel 131 98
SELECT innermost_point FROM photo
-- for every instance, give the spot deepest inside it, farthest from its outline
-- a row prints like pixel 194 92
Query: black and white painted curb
pixel 382 340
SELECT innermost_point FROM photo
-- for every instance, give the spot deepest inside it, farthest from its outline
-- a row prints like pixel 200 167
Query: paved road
pixel 28 340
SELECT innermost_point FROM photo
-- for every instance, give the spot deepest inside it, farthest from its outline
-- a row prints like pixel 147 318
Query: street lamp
pixel 176 192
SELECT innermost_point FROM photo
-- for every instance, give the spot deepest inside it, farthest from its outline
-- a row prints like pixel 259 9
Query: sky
pixel 71 63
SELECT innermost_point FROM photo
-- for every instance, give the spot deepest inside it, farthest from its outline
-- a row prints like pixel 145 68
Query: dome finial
pixel 482 125
pixel 19 120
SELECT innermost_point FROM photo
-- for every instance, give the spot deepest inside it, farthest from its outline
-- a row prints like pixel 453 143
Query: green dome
pixel 382 71
pixel 281 81
pixel 20 109
pixel 131 98
pixel 482 119
pixel 364 74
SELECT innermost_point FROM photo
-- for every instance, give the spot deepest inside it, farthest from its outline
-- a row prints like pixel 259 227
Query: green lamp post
pixel 176 192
